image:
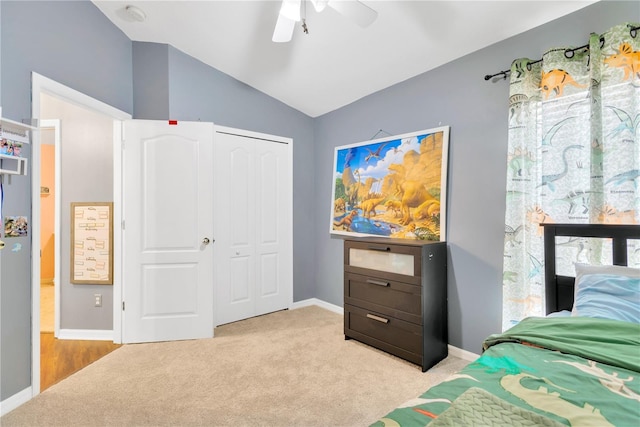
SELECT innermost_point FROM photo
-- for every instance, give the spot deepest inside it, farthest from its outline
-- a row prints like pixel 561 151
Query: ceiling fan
pixel 293 11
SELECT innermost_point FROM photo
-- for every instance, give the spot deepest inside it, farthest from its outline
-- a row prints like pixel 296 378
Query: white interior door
pixel 253 225
pixel 234 254
pixel 273 288
pixel 168 231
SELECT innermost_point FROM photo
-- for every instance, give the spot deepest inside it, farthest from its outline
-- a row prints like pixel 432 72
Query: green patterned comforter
pixel 573 370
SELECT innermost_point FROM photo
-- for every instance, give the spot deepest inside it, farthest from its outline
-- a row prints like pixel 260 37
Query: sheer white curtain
pixel 573 157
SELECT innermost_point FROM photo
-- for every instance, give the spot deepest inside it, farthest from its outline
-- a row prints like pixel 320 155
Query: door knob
pixel 206 241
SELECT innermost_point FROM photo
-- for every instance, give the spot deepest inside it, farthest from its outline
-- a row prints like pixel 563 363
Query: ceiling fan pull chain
pixel 293 11
pixel 305 29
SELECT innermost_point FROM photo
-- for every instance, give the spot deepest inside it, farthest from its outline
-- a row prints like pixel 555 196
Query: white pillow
pixel 618 270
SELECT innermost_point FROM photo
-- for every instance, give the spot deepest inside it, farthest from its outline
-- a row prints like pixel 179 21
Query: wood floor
pixel 61 358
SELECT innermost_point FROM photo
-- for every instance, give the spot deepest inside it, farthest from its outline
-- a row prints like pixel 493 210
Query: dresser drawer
pixel 383 259
pixel 396 299
pixel 396 336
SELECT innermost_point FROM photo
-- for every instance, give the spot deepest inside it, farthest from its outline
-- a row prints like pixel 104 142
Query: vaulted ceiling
pixel 337 62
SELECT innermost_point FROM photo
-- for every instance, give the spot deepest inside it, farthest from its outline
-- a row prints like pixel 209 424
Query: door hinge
pixel 123 224
pixel 122 305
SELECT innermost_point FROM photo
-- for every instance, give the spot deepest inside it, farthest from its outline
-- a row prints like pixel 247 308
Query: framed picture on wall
pixel 92 243
pixel 392 187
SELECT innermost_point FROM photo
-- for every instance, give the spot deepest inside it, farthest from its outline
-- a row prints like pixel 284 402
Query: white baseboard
pixel 462 354
pixel 86 334
pixel 319 303
pixel 11 403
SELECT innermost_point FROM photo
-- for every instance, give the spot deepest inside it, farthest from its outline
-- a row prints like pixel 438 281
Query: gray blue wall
pixel 76 45
pixel 0 52
pixel 73 43
pixel 197 92
pixel 456 95
pixel 15 293
pixel 151 77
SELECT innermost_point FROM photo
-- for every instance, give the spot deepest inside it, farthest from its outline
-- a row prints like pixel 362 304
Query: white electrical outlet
pixel 98 300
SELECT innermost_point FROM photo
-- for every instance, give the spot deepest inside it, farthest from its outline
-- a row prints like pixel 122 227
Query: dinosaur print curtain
pixel 573 157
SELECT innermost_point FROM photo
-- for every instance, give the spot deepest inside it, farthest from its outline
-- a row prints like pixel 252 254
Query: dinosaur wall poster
pixel 392 187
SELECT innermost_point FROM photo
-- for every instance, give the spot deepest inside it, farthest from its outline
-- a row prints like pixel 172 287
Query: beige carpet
pixel 290 368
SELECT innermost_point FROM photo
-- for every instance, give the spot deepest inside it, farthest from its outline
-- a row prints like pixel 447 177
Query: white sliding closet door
pixel 252 224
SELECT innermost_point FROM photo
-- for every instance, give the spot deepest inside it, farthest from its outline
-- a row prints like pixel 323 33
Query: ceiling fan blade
pixel 284 29
pixel 359 12
pixel 291 9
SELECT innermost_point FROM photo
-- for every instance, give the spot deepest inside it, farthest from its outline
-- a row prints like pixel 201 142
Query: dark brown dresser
pixel 395 297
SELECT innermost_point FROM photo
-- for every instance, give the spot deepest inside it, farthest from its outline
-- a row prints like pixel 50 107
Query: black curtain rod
pixel 633 31
pixel 568 53
pixel 501 73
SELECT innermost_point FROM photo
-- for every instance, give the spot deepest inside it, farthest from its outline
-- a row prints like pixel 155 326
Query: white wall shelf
pixel 13 135
pixel 13 165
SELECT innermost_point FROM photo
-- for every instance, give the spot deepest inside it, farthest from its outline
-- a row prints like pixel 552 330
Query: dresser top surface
pixel 388 241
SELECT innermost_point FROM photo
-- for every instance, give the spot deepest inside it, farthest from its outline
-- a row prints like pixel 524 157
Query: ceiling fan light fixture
pixel 291 9
pixel 319 5
pixel 135 13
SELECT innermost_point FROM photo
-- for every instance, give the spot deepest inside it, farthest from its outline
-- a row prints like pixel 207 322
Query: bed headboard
pixel 559 289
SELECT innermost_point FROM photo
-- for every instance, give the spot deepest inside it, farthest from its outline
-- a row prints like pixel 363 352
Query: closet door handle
pixel 377 282
pixel 377 318
pixel 380 248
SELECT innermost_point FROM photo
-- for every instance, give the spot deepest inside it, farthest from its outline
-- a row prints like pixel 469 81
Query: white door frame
pixel 54 124
pixel 40 85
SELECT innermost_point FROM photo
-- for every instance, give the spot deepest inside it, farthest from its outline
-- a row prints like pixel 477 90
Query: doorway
pixel 49 225
pixel 70 299
pixel 49 247
pixel 58 358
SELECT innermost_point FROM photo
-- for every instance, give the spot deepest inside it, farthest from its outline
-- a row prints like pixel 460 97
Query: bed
pixel 579 365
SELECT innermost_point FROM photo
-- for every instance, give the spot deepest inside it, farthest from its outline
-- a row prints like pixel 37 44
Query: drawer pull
pixel 377 282
pixel 380 248
pixel 377 318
